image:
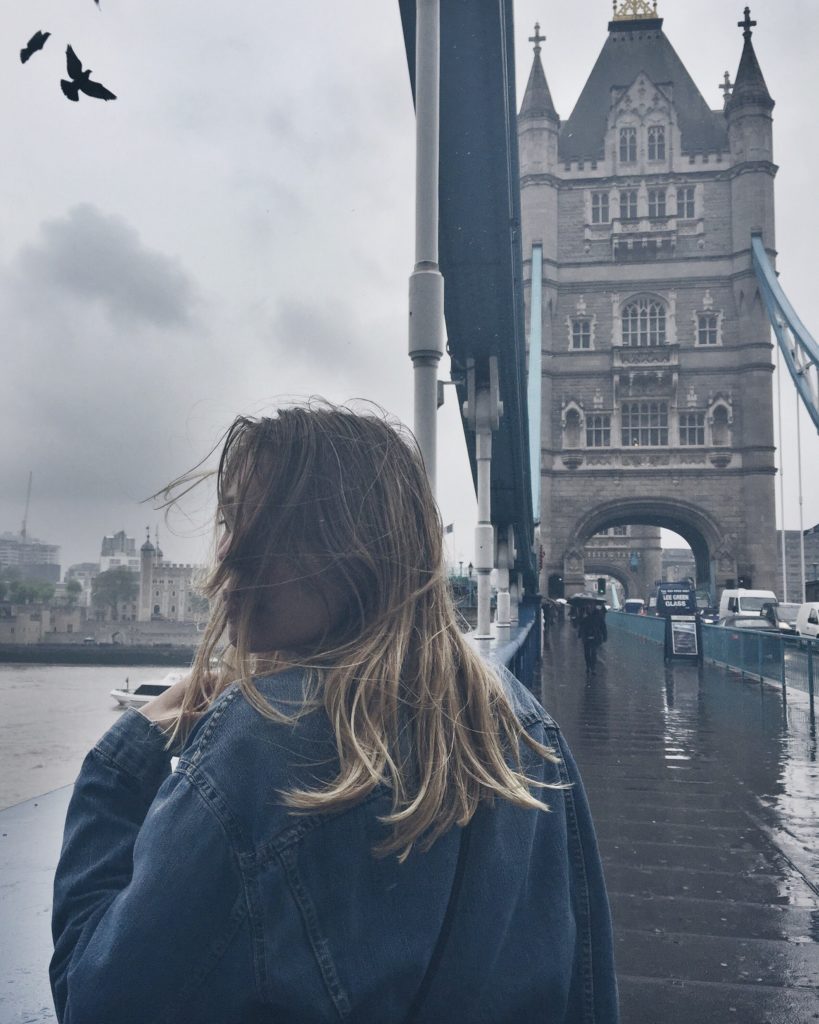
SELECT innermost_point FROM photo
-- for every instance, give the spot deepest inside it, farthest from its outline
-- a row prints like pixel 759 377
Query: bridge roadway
pixel 704 793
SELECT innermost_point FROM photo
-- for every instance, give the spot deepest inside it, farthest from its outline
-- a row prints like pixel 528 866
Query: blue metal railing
pixel 790 662
pixel 525 661
pixel 521 652
pixel 647 626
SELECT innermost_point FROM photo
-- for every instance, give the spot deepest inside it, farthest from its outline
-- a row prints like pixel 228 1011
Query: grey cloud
pixel 95 257
pixel 103 393
pixel 325 335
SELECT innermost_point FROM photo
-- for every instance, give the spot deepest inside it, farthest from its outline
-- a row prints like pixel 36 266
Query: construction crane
pixel 799 350
pixel 24 531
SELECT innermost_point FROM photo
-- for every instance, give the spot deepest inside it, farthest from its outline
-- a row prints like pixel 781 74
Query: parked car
pixel 807 620
pixel 770 611
pixel 787 613
pixel 755 622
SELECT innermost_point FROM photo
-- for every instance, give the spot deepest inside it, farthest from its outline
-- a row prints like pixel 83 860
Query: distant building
pixel 118 552
pixel 679 564
pixel 23 624
pixel 171 589
pixel 65 622
pixel 84 573
pixel 793 562
pixel 166 589
pixel 32 559
pixel 629 554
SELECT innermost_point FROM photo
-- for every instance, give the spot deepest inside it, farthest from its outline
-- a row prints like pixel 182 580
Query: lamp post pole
pixel 426 284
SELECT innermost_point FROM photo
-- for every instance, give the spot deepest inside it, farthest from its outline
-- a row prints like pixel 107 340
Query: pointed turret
pixel 749 88
pixel 750 131
pixel 538 132
pixel 537 100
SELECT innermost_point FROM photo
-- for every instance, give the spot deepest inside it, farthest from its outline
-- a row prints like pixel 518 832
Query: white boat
pixel 128 698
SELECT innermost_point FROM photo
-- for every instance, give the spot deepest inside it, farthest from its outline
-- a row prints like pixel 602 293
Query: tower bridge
pixel 656 403
pixel 610 293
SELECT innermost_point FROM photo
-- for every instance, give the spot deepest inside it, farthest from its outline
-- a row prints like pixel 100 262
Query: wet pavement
pixel 705 795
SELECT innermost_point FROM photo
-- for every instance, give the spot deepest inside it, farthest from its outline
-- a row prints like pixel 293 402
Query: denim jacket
pixel 195 896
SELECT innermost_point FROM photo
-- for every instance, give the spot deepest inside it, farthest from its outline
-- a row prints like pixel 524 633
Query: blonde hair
pixel 412 705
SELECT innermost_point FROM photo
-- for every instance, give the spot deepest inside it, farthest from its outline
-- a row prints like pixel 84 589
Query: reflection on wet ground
pixel 705 797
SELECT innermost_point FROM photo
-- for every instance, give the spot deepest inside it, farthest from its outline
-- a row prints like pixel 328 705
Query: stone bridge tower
pixel 657 403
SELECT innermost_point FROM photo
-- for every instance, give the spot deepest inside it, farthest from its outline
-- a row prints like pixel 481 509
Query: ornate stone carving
pixel 647 354
pixel 634 10
pixel 573 560
pixel 651 382
pixel 724 555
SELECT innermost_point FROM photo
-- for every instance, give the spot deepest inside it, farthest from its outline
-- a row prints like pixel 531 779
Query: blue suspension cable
pixel 798 347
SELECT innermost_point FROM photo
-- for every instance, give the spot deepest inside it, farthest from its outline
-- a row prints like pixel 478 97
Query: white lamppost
pixel 426 284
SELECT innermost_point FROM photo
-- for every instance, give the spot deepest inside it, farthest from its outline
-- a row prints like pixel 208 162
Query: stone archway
pixel 714 553
pixel 602 567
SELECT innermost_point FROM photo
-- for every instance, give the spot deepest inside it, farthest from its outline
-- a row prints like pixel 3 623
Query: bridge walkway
pixel 704 793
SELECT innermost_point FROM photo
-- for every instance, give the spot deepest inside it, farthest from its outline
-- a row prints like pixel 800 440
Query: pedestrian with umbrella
pixel 591 627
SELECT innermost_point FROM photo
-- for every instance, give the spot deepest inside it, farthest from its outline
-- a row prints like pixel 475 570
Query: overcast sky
pixel 237 226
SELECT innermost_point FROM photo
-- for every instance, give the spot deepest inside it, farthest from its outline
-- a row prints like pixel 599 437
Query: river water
pixel 50 717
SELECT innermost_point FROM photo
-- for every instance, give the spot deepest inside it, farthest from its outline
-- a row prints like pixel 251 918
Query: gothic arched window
pixel 628 145
pixel 643 323
pixel 656 142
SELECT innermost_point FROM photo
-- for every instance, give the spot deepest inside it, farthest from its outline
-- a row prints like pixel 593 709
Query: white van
pixel 807 619
pixel 745 602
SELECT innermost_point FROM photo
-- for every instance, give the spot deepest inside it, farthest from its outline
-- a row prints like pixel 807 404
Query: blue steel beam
pixel 799 350
pixel 479 236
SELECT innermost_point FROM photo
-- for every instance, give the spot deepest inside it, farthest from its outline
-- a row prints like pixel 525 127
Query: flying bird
pixel 81 80
pixel 37 42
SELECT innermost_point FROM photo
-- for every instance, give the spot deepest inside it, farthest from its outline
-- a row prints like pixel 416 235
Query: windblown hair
pixel 344 499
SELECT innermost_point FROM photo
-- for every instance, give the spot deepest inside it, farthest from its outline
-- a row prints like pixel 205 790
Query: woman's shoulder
pixel 525 705
pixel 271 722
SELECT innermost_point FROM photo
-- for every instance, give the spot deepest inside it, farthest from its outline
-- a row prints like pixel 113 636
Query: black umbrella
pixel 584 600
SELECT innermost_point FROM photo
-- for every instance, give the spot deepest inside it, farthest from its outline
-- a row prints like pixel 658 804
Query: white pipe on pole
pixel 799 478
pixel 426 284
pixel 781 471
pixel 484 532
pixel 503 620
pixel 483 409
